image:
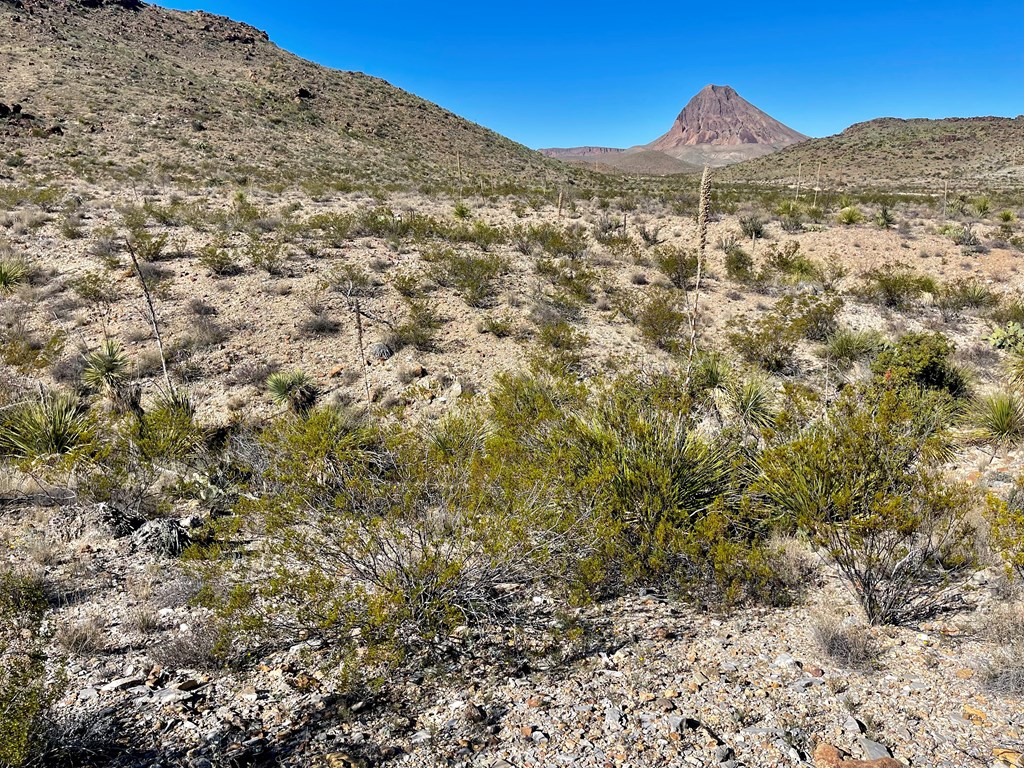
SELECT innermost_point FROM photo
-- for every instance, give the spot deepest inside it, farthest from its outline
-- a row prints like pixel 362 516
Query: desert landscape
pixel 337 430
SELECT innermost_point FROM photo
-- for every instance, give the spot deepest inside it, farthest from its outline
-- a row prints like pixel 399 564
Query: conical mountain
pixel 719 127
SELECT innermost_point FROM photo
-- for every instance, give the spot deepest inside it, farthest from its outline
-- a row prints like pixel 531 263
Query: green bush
pixel 867 485
pixel 57 424
pixel 294 389
pixel 739 265
pixel 473 277
pixel 895 286
pixel 663 320
pixel 922 359
pixel 752 227
pixel 680 264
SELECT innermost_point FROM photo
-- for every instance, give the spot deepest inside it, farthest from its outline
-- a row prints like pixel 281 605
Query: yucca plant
pixel 106 369
pixel 850 215
pixel 294 389
pixel 55 425
pixel 750 402
pixel 1014 366
pixel 999 418
pixel 12 273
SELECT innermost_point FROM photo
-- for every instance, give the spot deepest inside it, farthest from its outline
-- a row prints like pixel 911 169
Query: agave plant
pixel 294 389
pixel 12 272
pixel 106 369
pixel 55 425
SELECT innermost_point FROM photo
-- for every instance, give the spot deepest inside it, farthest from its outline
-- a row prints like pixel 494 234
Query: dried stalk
pixel 152 313
pixel 703 214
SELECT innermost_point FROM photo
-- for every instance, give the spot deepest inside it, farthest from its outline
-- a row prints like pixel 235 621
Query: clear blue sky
pixel 567 74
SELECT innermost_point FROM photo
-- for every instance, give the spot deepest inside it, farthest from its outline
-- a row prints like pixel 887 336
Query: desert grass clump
pixel 294 389
pixel 847 346
pixel 55 425
pixel 13 272
pixel 895 286
pixel 850 215
pixel 998 418
pixel 845 641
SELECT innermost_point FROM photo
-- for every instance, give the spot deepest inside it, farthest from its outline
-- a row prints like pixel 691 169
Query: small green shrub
pixel 294 389
pixel 895 286
pixel 680 264
pixel 752 227
pixel 925 360
pixel 219 260
pixel 473 277
pixel 662 320
pixel 739 265
pixel 13 273
pixel 849 216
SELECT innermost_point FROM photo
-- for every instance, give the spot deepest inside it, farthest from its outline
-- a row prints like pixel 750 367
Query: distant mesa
pixel 717 127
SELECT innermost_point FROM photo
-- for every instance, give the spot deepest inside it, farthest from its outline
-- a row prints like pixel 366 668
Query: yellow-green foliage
pixel 867 484
pixel 1006 521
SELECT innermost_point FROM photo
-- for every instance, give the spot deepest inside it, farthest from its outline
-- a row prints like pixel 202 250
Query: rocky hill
pixel 717 127
pixel 908 154
pixel 128 89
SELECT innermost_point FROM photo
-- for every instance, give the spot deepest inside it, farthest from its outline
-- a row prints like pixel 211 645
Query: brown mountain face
pixel 720 127
pixel 717 127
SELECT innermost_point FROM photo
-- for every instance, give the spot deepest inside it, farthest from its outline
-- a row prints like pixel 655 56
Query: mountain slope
pixel 123 88
pixel 719 127
pixel 919 153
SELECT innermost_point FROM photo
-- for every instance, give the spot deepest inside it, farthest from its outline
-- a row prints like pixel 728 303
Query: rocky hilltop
pixel 717 127
pixel 720 127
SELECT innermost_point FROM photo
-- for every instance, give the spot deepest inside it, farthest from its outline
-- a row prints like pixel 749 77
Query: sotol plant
pixel 294 389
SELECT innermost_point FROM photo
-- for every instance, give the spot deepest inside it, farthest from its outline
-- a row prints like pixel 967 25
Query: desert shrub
pixel 13 272
pixel 96 288
pixel 266 253
pixel 739 265
pixel 26 696
pixel 752 227
pixel 554 240
pixel 570 275
pixel 895 286
pixel 473 277
pixel 790 215
pixel 817 316
pixel 334 228
pixel 770 341
pixel 57 424
pixel 662 320
pixel 679 264
pixel 922 359
pixel 788 264
pixel 650 234
pixel 500 327
pixel 563 347
pixel 319 324
pixel 461 211
pixel 146 245
pixel 846 346
pixel 1006 527
pixel 419 330
pixel 965 237
pixel 294 389
pixel 867 485
pixel 219 260
pixel 27 351
pixel 850 215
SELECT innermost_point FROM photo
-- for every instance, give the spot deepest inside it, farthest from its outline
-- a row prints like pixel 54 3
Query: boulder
pixel 828 756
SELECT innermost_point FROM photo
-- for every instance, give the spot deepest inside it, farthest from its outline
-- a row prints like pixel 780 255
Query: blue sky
pixel 567 74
